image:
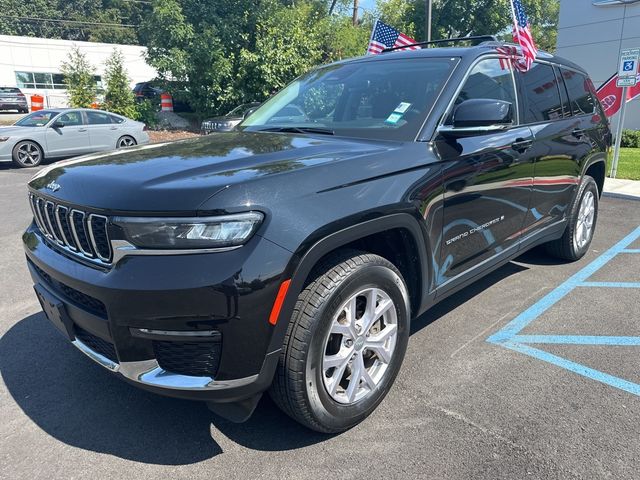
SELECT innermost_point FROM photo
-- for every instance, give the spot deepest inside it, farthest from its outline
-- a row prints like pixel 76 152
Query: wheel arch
pixel 596 169
pixel 372 236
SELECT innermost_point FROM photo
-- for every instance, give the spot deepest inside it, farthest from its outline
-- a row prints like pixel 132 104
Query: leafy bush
pixel 146 112
pixel 630 138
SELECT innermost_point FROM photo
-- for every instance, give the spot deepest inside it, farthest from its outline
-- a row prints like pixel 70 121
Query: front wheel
pixel 344 344
pixel 27 154
pixel 582 218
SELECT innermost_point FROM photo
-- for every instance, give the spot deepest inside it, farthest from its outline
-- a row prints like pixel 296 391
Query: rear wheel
pixel 581 223
pixel 344 344
pixel 27 154
pixel 126 141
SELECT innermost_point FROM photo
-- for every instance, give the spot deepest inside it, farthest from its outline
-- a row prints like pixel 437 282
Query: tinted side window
pixel 115 119
pixel 579 89
pixel 542 94
pixel 71 118
pixel 488 79
pixel 566 108
pixel 98 118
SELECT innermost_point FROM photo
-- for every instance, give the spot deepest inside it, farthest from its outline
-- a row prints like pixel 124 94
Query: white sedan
pixel 60 133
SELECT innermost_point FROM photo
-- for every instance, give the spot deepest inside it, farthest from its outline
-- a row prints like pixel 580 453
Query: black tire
pixel 23 110
pixel 567 247
pixel 299 385
pixel 27 154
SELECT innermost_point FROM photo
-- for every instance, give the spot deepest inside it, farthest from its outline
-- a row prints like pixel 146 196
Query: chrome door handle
pixel 82 129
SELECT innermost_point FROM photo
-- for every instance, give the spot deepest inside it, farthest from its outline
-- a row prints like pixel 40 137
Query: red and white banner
pixel 610 95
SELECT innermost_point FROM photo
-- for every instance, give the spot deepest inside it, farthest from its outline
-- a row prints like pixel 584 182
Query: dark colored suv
pixel 290 255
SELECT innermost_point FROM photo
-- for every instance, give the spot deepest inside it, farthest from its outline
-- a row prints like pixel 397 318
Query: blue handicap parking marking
pixel 509 336
pixel 628 66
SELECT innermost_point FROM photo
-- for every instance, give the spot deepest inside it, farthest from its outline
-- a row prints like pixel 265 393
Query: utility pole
pixel 427 19
pixel 355 12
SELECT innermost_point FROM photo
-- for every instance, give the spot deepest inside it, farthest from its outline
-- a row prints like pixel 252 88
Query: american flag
pixel 522 36
pixel 384 36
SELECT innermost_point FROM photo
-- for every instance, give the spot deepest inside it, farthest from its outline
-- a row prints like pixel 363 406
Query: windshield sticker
pixel 393 118
pixel 403 107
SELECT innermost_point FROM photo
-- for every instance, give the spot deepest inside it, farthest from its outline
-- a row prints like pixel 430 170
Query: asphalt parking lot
pixel 530 373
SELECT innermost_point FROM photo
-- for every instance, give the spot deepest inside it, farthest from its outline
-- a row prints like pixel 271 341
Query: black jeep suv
pixel 290 255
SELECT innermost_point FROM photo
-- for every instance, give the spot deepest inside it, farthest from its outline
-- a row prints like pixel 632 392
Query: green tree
pixel 118 95
pixel 87 20
pixel 79 79
pixel 472 17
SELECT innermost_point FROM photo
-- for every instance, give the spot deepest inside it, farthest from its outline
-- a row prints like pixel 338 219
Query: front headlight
pixel 188 233
pixel 4 139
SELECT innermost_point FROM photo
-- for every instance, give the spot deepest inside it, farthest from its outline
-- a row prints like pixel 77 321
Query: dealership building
pixel 33 64
pixel 592 33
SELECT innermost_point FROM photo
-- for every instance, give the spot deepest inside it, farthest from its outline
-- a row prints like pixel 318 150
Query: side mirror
pixel 480 115
pixel 58 124
pixel 249 112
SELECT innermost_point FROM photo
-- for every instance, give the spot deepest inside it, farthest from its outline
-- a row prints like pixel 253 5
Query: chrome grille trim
pixel 83 234
pixel 69 242
pixel 50 224
pixel 40 212
pixel 36 217
pixel 92 238
pixel 76 235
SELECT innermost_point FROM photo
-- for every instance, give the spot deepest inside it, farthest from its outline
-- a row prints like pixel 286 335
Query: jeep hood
pixel 178 177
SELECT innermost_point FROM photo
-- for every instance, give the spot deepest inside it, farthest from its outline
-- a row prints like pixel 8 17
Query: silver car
pixel 12 98
pixel 61 133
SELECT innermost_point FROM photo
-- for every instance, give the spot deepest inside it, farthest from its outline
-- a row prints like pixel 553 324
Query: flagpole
pixel 515 20
pixel 373 30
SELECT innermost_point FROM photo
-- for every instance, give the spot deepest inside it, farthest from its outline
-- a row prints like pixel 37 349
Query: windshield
pixel 9 90
pixel 240 109
pixel 37 119
pixel 387 99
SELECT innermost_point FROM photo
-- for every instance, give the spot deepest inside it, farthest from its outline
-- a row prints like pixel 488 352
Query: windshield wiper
pixel 320 130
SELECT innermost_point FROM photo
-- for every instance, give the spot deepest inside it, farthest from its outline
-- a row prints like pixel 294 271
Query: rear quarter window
pixel 542 95
pixel 579 88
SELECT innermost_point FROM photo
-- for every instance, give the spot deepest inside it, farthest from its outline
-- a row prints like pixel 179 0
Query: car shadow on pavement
pixel 79 403
pixel 464 295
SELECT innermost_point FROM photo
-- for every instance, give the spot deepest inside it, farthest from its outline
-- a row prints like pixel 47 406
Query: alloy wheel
pixel 360 345
pixel 584 223
pixel 29 154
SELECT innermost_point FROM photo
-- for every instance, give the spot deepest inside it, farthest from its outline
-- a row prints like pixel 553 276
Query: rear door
pixel 487 180
pixel 558 145
pixel 71 139
pixel 102 131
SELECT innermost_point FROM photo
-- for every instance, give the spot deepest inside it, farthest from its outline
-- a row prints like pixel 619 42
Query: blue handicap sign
pixel 628 66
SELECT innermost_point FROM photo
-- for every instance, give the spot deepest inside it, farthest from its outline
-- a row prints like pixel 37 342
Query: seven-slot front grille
pixel 85 234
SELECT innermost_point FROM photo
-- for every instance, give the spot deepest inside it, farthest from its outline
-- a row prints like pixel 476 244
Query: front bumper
pixel 218 303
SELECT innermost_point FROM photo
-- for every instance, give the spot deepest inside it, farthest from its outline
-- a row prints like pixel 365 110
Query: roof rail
pixel 476 39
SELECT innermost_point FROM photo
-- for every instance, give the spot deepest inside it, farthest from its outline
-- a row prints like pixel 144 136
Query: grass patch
pixel 628 164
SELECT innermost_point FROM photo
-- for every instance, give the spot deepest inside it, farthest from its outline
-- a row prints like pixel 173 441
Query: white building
pixel 33 64
pixel 592 32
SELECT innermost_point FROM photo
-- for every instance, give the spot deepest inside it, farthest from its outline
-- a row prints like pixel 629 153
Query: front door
pixel 69 140
pixel 487 179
